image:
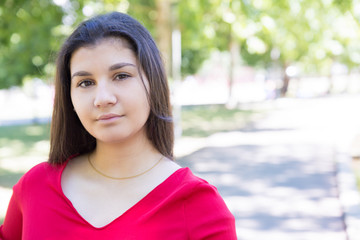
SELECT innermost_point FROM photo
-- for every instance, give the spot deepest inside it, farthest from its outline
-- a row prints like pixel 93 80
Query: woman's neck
pixel 124 159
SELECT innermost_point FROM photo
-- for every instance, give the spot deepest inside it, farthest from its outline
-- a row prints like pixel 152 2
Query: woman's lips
pixel 108 117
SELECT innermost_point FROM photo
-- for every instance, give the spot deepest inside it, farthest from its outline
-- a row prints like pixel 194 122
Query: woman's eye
pixel 85 83
pixel 121 76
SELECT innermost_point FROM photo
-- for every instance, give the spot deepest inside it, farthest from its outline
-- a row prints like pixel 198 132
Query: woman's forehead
pixel 117 41
pixel 109 50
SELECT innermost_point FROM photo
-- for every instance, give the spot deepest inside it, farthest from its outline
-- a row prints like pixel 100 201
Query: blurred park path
pixel 279 176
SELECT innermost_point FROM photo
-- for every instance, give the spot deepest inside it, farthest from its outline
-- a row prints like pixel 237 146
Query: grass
pixel 20 142
pixel 202 121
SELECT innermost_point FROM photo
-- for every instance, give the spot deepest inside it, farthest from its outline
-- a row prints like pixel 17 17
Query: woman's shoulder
pixel 37 175
pixel 193 188
pixel 42 169
pixel 205 210
pixel 188 179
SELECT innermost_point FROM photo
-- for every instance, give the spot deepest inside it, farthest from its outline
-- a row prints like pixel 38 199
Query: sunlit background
pixel 262 90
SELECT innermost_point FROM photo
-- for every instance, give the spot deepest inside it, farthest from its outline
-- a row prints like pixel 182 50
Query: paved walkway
pixel 279 176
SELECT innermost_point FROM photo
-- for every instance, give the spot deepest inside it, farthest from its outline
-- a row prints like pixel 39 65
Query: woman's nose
pixel 105 95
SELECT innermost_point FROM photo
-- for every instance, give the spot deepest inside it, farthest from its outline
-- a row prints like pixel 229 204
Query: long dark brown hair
pixel 68 136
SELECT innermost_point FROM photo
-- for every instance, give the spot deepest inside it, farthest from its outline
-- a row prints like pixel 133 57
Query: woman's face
pixel 107 92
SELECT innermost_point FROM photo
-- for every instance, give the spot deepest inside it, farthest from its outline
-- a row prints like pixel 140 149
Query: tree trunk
pixel 331 78
pixel 163 35
pixel 286 81
pixel 331 84
pixel 234 54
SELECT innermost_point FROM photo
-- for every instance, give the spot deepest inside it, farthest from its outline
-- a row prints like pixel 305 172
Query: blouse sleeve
pixel 207 216
pixel 12 227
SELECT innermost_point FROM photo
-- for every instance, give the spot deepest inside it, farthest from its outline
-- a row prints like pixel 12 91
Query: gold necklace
pixel 122 178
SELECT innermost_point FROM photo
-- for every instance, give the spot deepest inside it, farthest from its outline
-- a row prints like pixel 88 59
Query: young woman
pixel 111 173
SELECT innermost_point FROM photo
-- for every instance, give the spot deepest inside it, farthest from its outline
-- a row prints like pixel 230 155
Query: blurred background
pixel 234 66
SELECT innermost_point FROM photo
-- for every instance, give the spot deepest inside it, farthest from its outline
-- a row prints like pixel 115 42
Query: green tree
pixel 25 45
pixel 311 35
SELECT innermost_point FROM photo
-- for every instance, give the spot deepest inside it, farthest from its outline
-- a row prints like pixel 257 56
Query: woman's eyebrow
pixel 81 74
pixel 120 65
pixel 111 68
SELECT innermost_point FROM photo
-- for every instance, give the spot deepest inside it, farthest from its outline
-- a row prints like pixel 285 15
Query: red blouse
pixel 182 207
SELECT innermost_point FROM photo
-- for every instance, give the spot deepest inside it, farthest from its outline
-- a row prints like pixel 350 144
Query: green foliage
pixel 198 33
pixel 26 45
pixel 253 59
pixel 310 34
pixel 343 5
pixel 192 60
pixel 145 12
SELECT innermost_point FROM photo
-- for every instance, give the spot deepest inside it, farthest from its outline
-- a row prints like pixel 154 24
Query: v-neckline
pixel 148 197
